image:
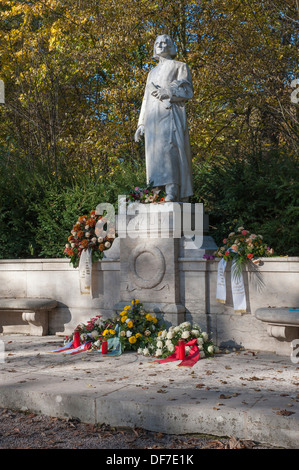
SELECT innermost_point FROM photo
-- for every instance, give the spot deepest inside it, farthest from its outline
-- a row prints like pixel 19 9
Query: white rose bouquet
pixel 166 341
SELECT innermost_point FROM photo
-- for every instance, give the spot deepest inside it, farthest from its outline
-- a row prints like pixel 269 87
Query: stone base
pixel 150 256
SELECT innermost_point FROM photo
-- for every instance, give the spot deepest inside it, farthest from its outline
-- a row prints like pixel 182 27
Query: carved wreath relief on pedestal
pixel 147 266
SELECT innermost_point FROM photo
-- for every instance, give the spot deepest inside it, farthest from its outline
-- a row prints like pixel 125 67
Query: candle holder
pixel 181 349
pixel 104 346
pixel 77 340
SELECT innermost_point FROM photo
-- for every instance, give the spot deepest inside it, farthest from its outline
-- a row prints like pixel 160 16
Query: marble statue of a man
pixel 163 122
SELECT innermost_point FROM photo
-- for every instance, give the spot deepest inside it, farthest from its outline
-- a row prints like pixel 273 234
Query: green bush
pixel 260 193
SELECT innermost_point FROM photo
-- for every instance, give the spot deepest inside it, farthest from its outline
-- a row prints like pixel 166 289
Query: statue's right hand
pixel 139 133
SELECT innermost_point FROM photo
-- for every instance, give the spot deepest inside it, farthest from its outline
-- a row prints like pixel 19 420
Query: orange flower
pixel 80 233
pixel 101 247
pixel 91 222
pixel 70 252
pixel 76 227
pixel 84 243
pixel 70 238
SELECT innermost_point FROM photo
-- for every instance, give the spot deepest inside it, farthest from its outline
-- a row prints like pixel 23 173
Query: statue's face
pixel 162 46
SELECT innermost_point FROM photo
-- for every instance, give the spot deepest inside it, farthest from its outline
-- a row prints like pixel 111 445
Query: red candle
pixel 77 341
pixel 181 349
pixel 104 346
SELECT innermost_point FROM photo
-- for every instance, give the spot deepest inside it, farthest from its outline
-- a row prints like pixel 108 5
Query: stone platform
pixel 245 394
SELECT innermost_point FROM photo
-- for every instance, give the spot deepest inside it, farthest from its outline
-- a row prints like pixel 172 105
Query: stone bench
pixel 283 323
pixel 34 312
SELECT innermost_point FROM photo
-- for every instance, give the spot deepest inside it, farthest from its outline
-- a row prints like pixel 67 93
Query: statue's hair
pixel 173 51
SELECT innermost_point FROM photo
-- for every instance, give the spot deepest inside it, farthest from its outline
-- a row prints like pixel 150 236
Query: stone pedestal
pixel 153 238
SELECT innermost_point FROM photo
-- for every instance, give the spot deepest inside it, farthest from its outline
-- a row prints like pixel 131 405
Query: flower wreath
pixel 89 232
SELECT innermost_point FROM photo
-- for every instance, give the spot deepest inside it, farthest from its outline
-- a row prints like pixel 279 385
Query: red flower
pixel 250 255
pixel 244 232
pixel 227 253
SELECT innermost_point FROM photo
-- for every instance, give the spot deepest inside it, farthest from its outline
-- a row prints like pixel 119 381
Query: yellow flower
pixel 138 335
pixel 160 332
pixel 130 324
pixel 149 317
pixel 132 339
pixel 123 313
pixel 123 319
pixel 105 332
pixel 112 332
pixel 154 319
pixel 127 307
pixel 135 302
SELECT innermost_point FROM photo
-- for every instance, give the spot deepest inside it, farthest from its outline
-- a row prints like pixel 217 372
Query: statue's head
pixel 164 46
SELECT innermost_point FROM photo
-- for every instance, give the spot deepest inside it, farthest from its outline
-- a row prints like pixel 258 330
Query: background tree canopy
pixel 74 74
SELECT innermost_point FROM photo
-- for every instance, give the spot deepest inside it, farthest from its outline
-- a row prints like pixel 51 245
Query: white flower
pixel 164 334
pixel 202 354
pixel 86 227
pixel 94 333
pixel 205 336
pixel 199 341
pixel 185 334
pixel 129 333
pixel 187 350
pixel 158 353
pixel 94 240
pixel 100 239
pixel 139 351
pixel 73 245
pixel 107 244
pixel 168 342
pixel 240 229
pixel 67 245
pixel 147 332
pixel 170 335
pixel 127 320
pixel 159 344
pixel 211 349
pixel 195 333
pixel 186 324
pixel 146 352
pixel 87 234
pixel 170 347
pixel 176 329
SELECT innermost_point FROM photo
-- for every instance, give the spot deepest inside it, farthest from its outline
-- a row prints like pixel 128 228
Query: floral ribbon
pixel 189 361
pixel 69 348
pixel 237 283
pixel 85 272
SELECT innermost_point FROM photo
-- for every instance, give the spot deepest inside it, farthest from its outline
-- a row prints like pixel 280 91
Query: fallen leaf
pixel 285 412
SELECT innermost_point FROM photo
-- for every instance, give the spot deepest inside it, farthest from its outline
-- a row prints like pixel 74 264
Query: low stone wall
pixel 275 284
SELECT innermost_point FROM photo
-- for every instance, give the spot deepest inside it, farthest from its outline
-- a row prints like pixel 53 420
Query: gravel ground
pixel 27 430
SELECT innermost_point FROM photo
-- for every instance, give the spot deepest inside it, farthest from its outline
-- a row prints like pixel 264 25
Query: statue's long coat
pixel 167 145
